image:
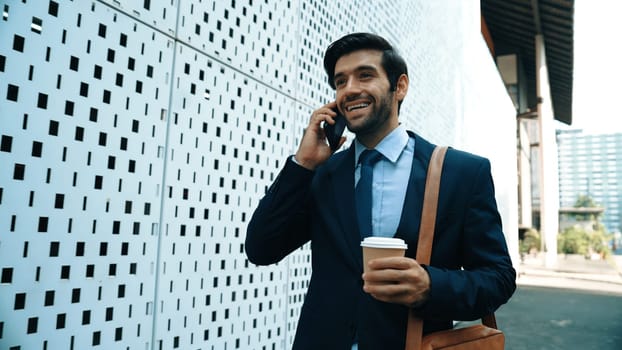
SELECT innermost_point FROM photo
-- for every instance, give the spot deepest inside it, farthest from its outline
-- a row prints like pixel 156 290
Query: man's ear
pixel 401 88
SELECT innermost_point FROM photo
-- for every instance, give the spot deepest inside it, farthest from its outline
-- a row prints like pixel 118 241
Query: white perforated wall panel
pixel 136 140
pixel 84 89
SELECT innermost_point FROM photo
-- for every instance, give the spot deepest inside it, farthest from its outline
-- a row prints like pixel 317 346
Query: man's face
pixel 363 93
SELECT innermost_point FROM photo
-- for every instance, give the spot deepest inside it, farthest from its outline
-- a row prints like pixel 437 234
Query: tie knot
pixel 369 157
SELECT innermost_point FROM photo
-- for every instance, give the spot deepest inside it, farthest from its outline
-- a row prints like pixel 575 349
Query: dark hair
pixel 392 62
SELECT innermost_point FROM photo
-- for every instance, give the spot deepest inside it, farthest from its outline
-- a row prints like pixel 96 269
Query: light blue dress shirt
pixel 390 180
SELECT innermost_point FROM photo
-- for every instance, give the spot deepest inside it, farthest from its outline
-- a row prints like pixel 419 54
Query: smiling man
pixel 313 199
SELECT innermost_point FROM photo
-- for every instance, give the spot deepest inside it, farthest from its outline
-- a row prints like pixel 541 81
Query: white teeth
pixel 360 105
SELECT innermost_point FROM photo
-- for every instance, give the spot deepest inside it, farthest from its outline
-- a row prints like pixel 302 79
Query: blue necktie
pixel 364 189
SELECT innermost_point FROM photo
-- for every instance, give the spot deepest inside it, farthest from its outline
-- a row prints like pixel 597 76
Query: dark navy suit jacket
pixel 470 270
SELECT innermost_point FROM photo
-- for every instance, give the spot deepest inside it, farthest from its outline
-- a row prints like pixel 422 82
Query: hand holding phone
pixel 333 132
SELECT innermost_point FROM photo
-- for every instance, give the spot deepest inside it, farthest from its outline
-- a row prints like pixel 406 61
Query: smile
pixel 357 106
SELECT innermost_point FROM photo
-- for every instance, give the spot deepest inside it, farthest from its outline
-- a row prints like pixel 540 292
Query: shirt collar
pixel 391 146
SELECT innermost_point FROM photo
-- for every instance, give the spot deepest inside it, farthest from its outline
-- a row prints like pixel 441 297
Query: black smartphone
pixel 334 132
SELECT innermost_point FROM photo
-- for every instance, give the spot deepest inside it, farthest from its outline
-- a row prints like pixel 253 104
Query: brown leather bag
pixel 477 337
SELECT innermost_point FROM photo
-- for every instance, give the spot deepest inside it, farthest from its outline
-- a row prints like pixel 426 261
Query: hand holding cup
pixel 391 277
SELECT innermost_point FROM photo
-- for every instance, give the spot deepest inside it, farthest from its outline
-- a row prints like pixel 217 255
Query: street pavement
pixel 576 304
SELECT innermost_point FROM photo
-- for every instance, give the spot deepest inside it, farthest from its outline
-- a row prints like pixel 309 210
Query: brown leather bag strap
pixel 490 321
pixel 430 204
pixel 414 331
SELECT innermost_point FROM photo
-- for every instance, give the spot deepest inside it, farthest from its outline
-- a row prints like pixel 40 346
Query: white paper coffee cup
pixel 382 247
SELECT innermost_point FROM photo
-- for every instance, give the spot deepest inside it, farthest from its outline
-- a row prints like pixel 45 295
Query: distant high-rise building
pixel 591 165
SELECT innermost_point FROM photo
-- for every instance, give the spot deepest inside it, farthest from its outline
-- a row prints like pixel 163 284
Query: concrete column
pixel 548 172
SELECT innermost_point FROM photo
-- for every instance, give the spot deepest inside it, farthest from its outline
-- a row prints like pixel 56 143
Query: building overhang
pixel 510 27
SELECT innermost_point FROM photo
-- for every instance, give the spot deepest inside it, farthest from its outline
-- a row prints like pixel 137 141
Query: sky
pixel 597 88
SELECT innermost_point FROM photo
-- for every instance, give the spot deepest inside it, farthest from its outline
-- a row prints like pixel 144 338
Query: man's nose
pixel 351 87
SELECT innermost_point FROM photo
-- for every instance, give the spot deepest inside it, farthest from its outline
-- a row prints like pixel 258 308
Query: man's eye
pixel 340 82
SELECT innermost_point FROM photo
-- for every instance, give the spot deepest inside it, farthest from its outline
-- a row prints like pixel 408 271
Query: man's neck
pixel 371 140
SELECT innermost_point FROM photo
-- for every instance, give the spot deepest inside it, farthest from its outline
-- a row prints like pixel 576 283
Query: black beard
pixel 379 116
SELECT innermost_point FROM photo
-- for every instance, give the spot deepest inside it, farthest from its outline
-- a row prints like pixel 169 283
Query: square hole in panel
pixel 19 171
pixel 18 43
pixel 20 301
pixel 6 143
pixel 12 92
pixel 7 275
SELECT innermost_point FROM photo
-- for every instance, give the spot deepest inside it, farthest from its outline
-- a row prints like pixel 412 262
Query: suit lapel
pixel 348 236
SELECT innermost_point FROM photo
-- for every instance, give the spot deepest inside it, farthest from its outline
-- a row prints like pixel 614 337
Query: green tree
pixel 579 240
pixel 584 201
pixel 576 240
pixel 530 242
pixel 573 240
